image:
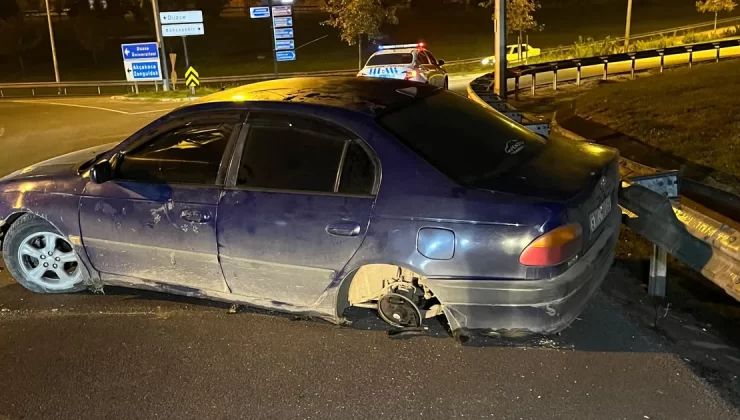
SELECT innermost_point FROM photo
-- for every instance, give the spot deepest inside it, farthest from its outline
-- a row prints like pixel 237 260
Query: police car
pixel 406 62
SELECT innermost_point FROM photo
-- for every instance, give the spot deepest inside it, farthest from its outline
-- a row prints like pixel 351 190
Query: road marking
pixel 99 108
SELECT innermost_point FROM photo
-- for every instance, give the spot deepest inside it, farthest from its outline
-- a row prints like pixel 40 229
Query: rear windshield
pixel 390 59
pixel 469 142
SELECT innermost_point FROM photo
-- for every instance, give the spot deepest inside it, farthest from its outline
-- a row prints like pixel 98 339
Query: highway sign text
pixel 282 22
pixel 185 16
pixel 139 51
pixel 283 33
pixel 259 12
pixel 284 44
pixel 285 55
pixel 140 71
pixel 281 11
pixel 184 29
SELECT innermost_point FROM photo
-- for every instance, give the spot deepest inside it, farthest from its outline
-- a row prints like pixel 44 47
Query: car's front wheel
pixel 40 258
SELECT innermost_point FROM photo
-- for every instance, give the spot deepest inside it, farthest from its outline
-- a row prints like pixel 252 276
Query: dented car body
pixel 284 194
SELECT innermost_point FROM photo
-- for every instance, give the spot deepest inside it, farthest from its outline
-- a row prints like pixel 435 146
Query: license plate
pixel 596 218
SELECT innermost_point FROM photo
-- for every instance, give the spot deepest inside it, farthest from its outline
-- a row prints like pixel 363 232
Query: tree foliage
pixel 715 6
pixel 354 18
pixel 91 33
pixel 17 37
pixel 8 9
pixel 519 15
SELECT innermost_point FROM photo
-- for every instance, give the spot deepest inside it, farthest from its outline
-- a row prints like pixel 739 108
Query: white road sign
pixel 281 11
pixel 184 16
pixel 185 29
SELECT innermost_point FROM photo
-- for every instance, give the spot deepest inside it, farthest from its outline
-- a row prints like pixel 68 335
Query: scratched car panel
pixel 312 195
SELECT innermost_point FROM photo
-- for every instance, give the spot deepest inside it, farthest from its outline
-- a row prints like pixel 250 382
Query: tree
pixel 17 38
pixel 355 18
pixel 519 17
pixel 90 31
pixel 211 8
pixel 715 6
pixel 8 9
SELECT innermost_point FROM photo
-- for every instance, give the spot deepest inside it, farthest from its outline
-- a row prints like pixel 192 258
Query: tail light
pixel 554 247
pixel 411 74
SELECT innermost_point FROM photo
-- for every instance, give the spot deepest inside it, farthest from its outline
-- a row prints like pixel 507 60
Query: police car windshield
pixel 390 59
pixel 470 143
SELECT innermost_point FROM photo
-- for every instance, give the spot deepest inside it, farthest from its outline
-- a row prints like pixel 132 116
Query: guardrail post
pixel 658 272
pixel 156 86
pixel 632 71
pixel 606 66
pixel 33 92
pixel 65 91
pixel 98 90
pixel 555 78
pixel 578 73
pixel 716 47
pixel 691 55
pixel 662 59
pixel 516 85
pixel 534 83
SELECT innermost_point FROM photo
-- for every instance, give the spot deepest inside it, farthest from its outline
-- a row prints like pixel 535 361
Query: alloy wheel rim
pixel 49 261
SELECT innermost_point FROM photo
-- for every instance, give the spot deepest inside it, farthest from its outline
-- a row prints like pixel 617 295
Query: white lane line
pixel 99 108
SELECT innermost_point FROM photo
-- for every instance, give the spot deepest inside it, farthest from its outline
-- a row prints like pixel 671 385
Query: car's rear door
pixel 156 220
pixel 439 72
pixel 426 68
pixel 298 207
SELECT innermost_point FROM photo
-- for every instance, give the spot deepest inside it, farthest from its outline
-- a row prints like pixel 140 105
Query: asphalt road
pixel 130 355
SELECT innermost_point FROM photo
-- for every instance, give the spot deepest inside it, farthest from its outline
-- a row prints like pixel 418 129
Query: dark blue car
pixel 313 195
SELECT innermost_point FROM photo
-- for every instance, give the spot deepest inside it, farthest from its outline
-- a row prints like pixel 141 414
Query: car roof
pixel 366 95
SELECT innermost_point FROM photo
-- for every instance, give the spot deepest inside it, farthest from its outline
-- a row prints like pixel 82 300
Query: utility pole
pixel 500 84
pixel 274 47
pixel 627 29
pixel 160 42
pixel 359 51
pixel 53 44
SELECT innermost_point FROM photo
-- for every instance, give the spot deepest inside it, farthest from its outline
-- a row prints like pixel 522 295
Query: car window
pixel 422 58
pixel 431 58
pixel 390 59
pixel 480 145
pixel 525 48
pixel 514 50
pixel 358 171
pixel 190 153
pixel 295 153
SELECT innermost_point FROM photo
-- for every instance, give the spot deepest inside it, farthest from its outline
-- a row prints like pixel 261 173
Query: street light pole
pixel 53 44
pixel 162 50
pixel 500 48
pixel 627 29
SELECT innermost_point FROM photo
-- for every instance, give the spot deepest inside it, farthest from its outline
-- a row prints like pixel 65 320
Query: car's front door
pixel 438 70
pixel 156 220
pixel 430 71
pixel 297 210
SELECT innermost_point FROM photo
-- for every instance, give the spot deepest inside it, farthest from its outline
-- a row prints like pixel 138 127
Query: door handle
pixel 344 229
pixel 195 216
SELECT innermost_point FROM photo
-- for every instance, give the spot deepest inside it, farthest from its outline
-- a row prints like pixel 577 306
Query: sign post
pixel 500 49
pixel 142 63
pixel 283 34
pixel 160 42
pixel 183 24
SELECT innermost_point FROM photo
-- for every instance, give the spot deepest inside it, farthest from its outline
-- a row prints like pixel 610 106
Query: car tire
pixel 41 259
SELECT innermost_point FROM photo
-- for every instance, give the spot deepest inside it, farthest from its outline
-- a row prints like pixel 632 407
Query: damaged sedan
pixel 310 196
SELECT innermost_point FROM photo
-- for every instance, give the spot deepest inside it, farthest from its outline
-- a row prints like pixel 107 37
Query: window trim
pixel 174 124
pixel 235 161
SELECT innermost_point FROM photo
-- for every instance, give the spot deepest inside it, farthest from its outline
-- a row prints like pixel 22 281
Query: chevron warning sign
pixel 192 78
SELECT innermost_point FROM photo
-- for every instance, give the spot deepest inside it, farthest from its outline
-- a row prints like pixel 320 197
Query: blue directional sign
pixel 285 55
pixel 282 22
pixel 143 70
pixel 259 12
pixel 283 33
pixel 139 51
pixel 284 44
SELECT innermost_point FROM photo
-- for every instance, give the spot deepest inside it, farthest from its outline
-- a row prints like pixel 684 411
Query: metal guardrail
pixel 578 63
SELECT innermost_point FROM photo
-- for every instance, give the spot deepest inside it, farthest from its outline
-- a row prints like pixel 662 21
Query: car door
pixel 427 69
pixel 296 208
pixel 438 70
pixel 156 220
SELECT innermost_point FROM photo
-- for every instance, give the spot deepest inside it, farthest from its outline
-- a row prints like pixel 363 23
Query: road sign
pixel 139 51
pixel 192 78
pixel 284 44
pixel 184 16
pixel 283 33
pixel 259 12
pixel 141 71
pixel 282 22
pixel 183 29
pixel 281 11
pixel 285 55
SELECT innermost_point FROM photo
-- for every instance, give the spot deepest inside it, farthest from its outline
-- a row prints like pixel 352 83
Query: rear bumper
pixel 532 306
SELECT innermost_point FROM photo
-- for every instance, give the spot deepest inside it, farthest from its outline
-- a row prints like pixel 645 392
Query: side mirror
pixel 101 172
pixel 441 63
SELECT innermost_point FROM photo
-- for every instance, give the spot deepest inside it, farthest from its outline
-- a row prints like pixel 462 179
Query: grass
pixel 171 94
pixel 691 113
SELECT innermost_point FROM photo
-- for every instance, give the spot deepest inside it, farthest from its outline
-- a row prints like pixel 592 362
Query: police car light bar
pixel 394 47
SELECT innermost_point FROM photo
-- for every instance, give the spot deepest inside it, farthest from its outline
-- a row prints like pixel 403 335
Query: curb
pixel 137 99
